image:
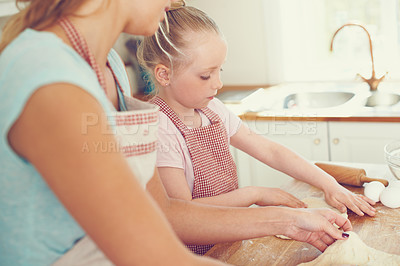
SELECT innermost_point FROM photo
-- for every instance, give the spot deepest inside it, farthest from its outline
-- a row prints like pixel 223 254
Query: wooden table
pixel 381 231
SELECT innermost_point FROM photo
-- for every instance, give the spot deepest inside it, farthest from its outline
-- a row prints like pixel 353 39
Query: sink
pixel 317 99
pixel 234 96
pixel 382 99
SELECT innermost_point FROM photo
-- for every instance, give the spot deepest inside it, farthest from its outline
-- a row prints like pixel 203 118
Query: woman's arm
pixel 96 187
pixel 197 223
pixel 283 159
pixel 177 187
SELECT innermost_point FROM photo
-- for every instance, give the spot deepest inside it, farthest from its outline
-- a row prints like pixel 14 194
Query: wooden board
pixel 381 232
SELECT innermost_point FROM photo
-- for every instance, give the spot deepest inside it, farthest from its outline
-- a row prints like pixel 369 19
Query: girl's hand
pixel 341 198
pixel 315 226
pixel 275 197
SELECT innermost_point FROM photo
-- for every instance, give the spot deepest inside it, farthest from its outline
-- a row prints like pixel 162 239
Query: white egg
pixel 390 197
pixel 373 189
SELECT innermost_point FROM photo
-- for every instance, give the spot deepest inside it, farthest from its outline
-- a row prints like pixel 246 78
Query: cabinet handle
pixel 335 141
pixel 317 141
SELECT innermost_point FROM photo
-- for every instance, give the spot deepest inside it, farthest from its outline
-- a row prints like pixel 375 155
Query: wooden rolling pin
pixel 349 175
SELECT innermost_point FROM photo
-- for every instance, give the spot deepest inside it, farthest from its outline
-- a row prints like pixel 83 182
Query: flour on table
pixel 313 202
pixel 353 251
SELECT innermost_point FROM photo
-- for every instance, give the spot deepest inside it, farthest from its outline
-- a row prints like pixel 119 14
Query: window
pixel 304 29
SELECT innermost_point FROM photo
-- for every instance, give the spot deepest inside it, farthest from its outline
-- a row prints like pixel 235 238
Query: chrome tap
pixel 373 82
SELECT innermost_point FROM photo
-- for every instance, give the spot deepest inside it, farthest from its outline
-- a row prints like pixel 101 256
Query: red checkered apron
pixel 136 128
pixel 136 134
pixel 213 165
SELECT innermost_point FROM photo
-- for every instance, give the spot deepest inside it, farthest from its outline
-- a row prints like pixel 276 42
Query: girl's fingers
pixel 364 205
pixel 338 205
pixel 287 199
pixel 370 201
pixel 352 206
pixel 296 202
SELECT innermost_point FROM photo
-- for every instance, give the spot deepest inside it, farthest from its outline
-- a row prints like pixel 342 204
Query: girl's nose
pixel 218 84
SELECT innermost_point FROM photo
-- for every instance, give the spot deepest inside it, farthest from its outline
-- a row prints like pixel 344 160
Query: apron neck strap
pixel 80 46
pixel 213 117
pixel 170 113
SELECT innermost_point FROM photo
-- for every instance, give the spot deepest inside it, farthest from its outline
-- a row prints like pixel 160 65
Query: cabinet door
pixel 309 139
pixel 361 142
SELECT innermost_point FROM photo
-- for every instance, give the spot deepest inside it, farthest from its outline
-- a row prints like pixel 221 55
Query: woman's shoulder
pixel 40 51
pixel 35 59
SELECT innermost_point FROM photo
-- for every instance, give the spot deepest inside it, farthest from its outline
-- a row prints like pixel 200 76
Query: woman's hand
pixel 315 226
pixel 275 197
pixel 341 198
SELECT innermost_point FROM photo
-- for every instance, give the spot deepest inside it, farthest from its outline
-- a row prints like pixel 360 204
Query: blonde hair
pixel 166 46
pixel 36 14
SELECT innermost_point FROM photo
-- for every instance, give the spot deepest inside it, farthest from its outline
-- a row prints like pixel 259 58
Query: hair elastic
pixel 177 5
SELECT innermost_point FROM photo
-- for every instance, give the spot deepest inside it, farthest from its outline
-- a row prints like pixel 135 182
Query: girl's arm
pixel 96 187
pixel 283 159
pixel 204 224
pixel 176 186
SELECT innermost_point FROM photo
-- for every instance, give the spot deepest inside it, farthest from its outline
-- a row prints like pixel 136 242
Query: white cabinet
pixel 306 137
pixel 309 139
pixel 360 142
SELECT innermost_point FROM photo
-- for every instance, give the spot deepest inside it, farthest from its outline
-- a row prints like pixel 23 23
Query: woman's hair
pixel 36 14
pixel 166 46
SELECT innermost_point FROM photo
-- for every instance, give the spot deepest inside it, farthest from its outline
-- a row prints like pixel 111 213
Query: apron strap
pixel 170 113
pixel 212 116
pixel 164 107
pixel 80 46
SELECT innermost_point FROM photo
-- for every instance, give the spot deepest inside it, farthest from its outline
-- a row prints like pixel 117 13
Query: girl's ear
pixel 162 74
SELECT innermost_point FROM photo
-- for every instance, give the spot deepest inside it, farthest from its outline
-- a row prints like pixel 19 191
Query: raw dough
pixel 390 197
pixel 373 189
pixel 353 251
pixel 313 202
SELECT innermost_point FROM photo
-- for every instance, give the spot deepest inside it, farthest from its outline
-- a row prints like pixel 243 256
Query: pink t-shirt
pixel 172 150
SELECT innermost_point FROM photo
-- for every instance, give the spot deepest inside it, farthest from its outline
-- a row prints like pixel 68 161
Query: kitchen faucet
pixel 373 82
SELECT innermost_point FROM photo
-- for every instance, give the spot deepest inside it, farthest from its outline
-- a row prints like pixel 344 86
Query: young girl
pixel 195 129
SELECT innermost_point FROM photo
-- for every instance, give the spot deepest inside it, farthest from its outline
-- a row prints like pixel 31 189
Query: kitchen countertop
pixel 267 103
pixel 381 231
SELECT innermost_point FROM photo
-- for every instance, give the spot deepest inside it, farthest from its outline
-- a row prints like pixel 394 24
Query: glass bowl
pixel 392 157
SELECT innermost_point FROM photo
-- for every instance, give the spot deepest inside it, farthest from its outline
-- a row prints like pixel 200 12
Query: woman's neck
pixel 99 26
pixel 99 38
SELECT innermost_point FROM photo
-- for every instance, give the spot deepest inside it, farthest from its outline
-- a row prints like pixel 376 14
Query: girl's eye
pixel 205 77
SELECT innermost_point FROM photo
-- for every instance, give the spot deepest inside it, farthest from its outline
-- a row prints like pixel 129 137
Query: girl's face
pixel 196 83
pixel 144 15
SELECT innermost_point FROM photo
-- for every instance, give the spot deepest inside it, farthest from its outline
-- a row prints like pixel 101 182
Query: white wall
pixel 242 23
pixel 119 46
